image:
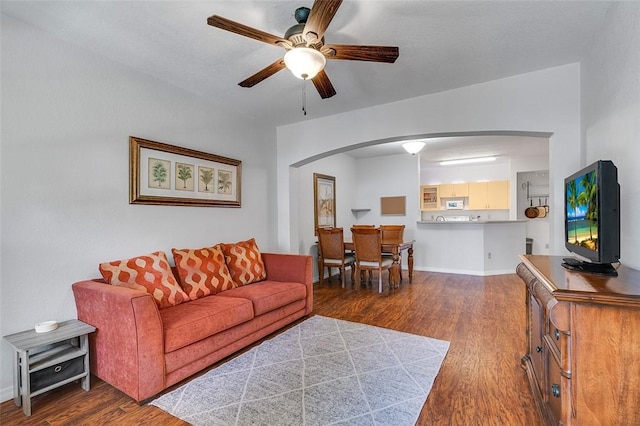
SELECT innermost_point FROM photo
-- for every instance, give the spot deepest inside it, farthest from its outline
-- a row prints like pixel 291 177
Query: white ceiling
pixel 443 45
pixel 504 147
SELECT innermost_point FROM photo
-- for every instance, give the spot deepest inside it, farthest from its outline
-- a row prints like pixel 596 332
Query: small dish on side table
pixel 46 326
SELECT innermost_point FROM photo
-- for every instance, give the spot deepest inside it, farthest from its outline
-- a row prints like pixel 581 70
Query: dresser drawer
pixel 559 336
pixel 56 373
pixel 555 390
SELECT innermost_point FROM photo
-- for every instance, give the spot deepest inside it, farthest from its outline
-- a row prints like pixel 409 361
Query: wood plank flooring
pixel 480 382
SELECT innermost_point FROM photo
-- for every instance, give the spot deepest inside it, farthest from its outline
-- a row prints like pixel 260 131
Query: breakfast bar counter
pixel 473 247
pixel 466 222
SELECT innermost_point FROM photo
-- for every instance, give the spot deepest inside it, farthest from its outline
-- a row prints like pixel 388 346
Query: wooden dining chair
pixel 331 253
pixel 368 250
pixel 365 275
pixel 393 234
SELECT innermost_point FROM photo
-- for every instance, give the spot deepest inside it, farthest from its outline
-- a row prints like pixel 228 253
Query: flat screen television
pixel 592 218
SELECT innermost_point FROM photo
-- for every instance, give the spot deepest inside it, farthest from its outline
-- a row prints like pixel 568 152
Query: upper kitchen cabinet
pixel 429 199
pixel 492 195
pixel 452 190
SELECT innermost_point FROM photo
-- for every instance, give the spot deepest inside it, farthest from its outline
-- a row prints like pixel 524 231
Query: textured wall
pixel 67 115
pixel 611 114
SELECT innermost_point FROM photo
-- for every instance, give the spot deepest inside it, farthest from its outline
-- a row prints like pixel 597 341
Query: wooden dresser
pixel 583 352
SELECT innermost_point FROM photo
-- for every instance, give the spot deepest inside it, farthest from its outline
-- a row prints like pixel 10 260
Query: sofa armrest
pixel 127 349
pixel 295 268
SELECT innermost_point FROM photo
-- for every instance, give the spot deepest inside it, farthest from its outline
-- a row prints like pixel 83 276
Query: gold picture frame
pixel 324 206
pixel 164 174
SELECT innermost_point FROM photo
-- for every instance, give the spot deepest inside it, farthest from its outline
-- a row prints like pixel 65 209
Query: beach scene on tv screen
pixel 582 211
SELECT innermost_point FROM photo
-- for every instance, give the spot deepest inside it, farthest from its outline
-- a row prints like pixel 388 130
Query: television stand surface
pixel 577 265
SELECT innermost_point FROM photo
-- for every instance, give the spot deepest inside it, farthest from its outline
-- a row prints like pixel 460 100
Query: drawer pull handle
pixel 555 390
pixel 557 334
pixel 57 368
pixel 538 349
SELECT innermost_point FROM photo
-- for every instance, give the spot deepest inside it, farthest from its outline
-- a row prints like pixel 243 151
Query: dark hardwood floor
pixel 480 382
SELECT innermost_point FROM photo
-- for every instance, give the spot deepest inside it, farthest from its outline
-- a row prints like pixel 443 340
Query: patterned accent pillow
pixel 244 262
pixel 150 273
pixel 202 271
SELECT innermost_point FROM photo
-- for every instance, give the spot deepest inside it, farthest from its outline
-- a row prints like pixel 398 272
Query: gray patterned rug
pixel 323 371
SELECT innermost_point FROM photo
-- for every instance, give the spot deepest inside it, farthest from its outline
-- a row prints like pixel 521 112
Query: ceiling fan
pixel 306 51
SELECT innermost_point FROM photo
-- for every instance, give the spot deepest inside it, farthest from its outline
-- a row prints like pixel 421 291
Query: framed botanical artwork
pixel 165 174
pixel 324 195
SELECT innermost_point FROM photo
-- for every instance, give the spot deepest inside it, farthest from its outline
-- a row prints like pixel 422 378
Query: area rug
pixel 323 371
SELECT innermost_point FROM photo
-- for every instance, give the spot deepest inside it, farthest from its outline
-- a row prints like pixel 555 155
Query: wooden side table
pixel 45 361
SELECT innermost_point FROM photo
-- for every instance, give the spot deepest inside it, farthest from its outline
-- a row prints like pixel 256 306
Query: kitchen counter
pixel 478 247
pixel 466 222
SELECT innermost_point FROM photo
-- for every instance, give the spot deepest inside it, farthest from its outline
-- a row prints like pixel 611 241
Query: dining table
pixel 395 248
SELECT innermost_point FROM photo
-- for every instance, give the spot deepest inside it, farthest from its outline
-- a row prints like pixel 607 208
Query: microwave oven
pixel 454 204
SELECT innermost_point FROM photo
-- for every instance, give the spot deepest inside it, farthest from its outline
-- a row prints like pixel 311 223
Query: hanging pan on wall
pixel 531 212
pixel 542 210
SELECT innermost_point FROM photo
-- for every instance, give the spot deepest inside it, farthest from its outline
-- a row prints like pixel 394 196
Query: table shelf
pixel 60 383
pixel 45 361
pixel 54 356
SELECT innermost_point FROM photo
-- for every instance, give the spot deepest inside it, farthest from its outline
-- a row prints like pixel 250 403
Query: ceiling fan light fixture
pixel 304 62
pixel 413 147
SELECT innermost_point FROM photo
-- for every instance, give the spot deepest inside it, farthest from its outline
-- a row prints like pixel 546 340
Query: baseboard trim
pixel 480 273
pixel 6 394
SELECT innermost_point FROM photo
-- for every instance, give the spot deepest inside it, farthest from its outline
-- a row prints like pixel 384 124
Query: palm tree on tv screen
pixel 572 201
pixel 589 198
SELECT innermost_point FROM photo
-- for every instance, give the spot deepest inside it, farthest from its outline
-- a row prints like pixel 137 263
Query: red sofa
pixel 142 350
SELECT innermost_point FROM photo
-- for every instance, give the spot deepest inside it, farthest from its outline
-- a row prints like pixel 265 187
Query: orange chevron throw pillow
pixel 150 273
pixel 244 262
pixel 202 271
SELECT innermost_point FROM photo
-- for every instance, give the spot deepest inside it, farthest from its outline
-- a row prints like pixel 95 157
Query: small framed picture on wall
pixel 324 195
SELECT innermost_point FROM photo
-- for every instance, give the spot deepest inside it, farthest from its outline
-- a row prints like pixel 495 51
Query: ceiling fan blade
pixel 323 85
pixel 387 54
pixel 244 30
pixel 319 18
pixel 268 71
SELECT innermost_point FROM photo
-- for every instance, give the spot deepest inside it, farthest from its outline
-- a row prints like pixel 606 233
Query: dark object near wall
pixel 56 373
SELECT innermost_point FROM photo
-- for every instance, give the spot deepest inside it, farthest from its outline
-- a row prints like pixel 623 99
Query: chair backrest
pixel 367 242
pixel 331 243
pixel 360 227
pixel 392 233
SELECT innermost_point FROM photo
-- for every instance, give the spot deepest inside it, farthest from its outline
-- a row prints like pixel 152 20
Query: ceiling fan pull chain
pixel 304 97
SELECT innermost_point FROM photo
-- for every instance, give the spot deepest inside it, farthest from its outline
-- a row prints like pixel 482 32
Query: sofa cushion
pixel 190 322
pixel 202 271
pixel 150 273
pixel 245 262
pixel 268 295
